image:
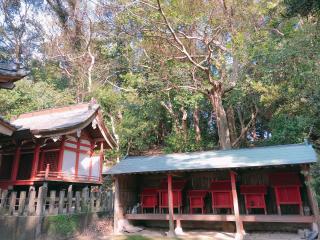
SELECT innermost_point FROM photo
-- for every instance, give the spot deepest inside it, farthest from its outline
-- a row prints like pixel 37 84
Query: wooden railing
pixel 42 202
pixel 55 175
pixel 44 175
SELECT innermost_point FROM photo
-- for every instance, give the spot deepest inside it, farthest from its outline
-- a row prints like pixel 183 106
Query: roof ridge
pixel 220 150
pixel 52 110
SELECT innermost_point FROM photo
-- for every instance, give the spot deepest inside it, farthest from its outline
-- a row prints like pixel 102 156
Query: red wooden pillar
pixel 61 152
pixel 101 160
pixel 171 232
pixel 15 164
pixel 77 158
pixel 35 161
pixel 239 223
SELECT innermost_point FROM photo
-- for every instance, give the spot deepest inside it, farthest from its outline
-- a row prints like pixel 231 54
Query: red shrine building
pixel 255 188
pixel 59 146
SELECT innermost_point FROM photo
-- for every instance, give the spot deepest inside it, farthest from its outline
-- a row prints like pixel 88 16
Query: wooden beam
pixel 311 196
pixel 61 152
pixel 118 211
pixel 76 167
pixel 171 232
pixel 277 218
pixel 35 161
pixel 224 218
pixel 15 165
pixel 239 223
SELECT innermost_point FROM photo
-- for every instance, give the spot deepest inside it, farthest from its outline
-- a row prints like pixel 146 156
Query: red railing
pixel 63 176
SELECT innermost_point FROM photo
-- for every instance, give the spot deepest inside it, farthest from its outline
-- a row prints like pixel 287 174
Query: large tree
pixel 208 35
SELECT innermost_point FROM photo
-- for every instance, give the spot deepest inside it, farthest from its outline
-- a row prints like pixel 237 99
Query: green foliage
pixel 63 225
pixel 29 96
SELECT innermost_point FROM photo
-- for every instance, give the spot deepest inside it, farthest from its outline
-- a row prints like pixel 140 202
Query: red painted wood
pixel 35 161
pixel 239 223
pixel 170 201
pixel 254 196
pixel 61 153
pixel 101 158
pixel 77 158
pixel 196 199
pixel 287 189
pixel 15 166
pixel 221 194
pixel 149 198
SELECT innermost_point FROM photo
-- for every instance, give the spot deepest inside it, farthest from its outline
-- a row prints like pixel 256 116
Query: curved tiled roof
pixel 63 120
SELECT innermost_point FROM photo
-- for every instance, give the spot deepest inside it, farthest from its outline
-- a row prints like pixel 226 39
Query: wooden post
pixel 98 201
pixel 61 154
pixel 46 174
pixel 92 199
pixel 239 223
pixel 69 196
pixel 171 232
pixel 84 201
pixel 78 199
pixel 52 202
pixel 61 202
pixel 101 160
pixel 15 165
pixel 22 202
pixel 35 161
pixel 32 197
pixel 12 206
pixel 118 211
pixel 3 200
pixel 41 200
pixel 311 197
pixel 76 167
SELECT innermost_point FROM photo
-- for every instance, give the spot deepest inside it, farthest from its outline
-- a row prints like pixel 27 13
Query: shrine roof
pixel 220 159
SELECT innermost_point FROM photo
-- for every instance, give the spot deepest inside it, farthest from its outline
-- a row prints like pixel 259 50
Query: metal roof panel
pixel 237 158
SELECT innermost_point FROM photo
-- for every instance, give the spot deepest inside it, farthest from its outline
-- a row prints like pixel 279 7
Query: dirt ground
pixel 156 234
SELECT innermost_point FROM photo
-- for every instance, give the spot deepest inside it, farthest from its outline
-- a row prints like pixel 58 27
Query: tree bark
pixel 184 125
pixel 215 96
pixel 231 124
pixel 196 123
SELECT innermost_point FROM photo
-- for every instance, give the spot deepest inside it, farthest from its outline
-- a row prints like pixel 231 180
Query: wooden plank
pixel 61 202
pixel 3 200
pixel 239 223
pixel 277 218
pixel 118 211
pixel 32 197
pixel 22 202
pixel 224 218
pixel 84 201
pixel 12 201
pixel 98 202
pixel 15 164
pixel 311 196
pixel 92 200
pixel 184 217
pixel 78 202
pixel 35 161
pixel 171 232
pixel 41 200
pixel 69 196
pixel 52 202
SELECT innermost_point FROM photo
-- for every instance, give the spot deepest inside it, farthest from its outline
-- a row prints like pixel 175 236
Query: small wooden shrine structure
pixel 256 185
pixel 60 145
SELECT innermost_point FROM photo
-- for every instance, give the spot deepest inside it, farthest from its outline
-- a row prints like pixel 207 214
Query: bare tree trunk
pixel 196 123
pixel 231 124
pixel 215 96
pixel 184 126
